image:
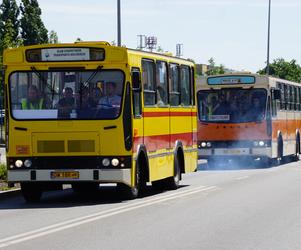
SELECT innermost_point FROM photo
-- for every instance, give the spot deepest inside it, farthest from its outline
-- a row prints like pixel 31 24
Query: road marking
pixel 97 216
pixel 242 178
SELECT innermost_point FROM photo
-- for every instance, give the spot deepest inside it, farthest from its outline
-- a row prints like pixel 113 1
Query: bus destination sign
pixel 229 80
pixel 66 54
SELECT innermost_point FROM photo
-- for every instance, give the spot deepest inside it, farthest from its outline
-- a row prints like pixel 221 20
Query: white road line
pixel 97 216
pixel 242 178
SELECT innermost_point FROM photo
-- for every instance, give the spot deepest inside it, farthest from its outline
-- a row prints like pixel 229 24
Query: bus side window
pixel 299 102
pixel 162 83
pixel 192 86
pixel 185 86
pixel 174 93
pixel 149 82
pixel 295 98
pixel 286 99
pixel 280 102
pixel 274 105
pixel 291 97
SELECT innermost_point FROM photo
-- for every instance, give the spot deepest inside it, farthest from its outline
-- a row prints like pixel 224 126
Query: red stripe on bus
pixel 173 113
pixel 157 142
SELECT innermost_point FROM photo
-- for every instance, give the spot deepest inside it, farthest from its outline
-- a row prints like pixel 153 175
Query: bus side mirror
pixel 136 81
pixel 277 94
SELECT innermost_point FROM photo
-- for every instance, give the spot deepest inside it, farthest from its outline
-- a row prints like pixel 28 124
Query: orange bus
pixel 90 113
pixel 248 116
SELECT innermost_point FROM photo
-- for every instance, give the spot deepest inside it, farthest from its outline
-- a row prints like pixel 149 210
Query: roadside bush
pixel 3 172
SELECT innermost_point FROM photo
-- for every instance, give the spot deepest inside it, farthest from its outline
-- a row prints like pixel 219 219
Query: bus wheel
pixel 129 192
pixel 280 158
pixel 296 156
pixel 31 192
pixel 173 182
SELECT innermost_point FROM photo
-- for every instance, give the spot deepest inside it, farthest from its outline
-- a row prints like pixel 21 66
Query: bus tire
pixel 297 154
pixel 132 192
pixel 31 192
pixel 280 158
pixel 172 183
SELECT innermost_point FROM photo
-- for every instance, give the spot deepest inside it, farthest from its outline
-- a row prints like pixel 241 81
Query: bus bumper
pixel 87 175
pixel 234 152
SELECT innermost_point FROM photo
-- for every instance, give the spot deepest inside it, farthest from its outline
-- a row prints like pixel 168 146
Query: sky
pixel 233 32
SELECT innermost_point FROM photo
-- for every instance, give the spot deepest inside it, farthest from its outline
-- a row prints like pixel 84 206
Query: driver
pixel 111 99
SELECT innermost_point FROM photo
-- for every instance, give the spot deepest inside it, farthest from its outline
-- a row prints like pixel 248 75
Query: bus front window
pixel 232 105
pixel 83 95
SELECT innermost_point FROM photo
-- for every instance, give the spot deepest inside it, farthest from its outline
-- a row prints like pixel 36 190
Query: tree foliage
pixel 283 69
pixel 33 30
pixel 213 69
pixel 9 22
pixel 53 37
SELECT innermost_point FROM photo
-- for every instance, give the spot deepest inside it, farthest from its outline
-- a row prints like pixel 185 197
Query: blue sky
pixel 233 32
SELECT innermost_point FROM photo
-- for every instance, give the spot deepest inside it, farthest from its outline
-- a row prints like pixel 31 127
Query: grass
pixel 3 172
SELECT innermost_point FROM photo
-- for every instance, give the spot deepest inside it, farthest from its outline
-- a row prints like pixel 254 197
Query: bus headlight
pixel 203 144
pixel 28 163
pixel 261 143
pixel 115 162
pixel 256 143
pixel 106 162
pixel 208 144
pixel 19 163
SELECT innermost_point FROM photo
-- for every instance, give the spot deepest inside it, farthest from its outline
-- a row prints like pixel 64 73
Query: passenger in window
pixel 161 96
pixel 222 108
pixel 66 104
pixel 95 97
pixel 111 99
pixel 33 100
pixel 256 110
pixel 211 106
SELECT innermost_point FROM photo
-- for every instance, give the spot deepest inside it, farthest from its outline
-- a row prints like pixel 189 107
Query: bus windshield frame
pixel 66 94
pixel 232 105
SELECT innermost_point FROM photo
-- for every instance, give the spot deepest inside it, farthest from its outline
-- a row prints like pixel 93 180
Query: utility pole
pixel 268 46
pixel 118 23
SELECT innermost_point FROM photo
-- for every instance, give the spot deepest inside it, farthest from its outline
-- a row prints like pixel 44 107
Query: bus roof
pixel 112 53
pixel 240 79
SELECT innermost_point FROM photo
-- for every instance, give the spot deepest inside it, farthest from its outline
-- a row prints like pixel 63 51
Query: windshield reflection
pixel 232 105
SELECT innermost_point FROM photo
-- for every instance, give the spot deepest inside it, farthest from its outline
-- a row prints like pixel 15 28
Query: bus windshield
pixel 232 105
pixel 61 95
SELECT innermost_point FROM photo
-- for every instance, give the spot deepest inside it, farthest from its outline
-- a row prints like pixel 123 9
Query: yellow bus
pixel 90 113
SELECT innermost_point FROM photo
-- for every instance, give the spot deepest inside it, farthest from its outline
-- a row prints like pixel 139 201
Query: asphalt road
pixel 219 209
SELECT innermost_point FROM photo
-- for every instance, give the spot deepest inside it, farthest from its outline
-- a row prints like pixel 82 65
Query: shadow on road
pixel 68 198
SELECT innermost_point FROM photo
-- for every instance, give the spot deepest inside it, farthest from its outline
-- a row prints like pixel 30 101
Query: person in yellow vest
pixel 33 100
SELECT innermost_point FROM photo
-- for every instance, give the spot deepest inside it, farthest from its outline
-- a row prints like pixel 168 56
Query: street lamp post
pixel 268 47
pixel 118 23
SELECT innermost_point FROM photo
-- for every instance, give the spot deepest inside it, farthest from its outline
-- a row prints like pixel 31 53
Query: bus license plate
pixel 242 151
pixel 65 175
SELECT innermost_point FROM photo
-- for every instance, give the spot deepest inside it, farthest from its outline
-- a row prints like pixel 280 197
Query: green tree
pixel 53 37
pixel 285 70
pixel 213 69
pixel 33 30
pixel 9 12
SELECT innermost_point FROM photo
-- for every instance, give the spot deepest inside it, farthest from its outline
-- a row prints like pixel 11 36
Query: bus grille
pixel 51 147
pixel 81 146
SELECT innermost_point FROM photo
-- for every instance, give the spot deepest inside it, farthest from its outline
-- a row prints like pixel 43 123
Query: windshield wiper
pixel 86 83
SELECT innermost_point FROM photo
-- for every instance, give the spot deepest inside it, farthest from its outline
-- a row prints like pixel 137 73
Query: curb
pixel 10 193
